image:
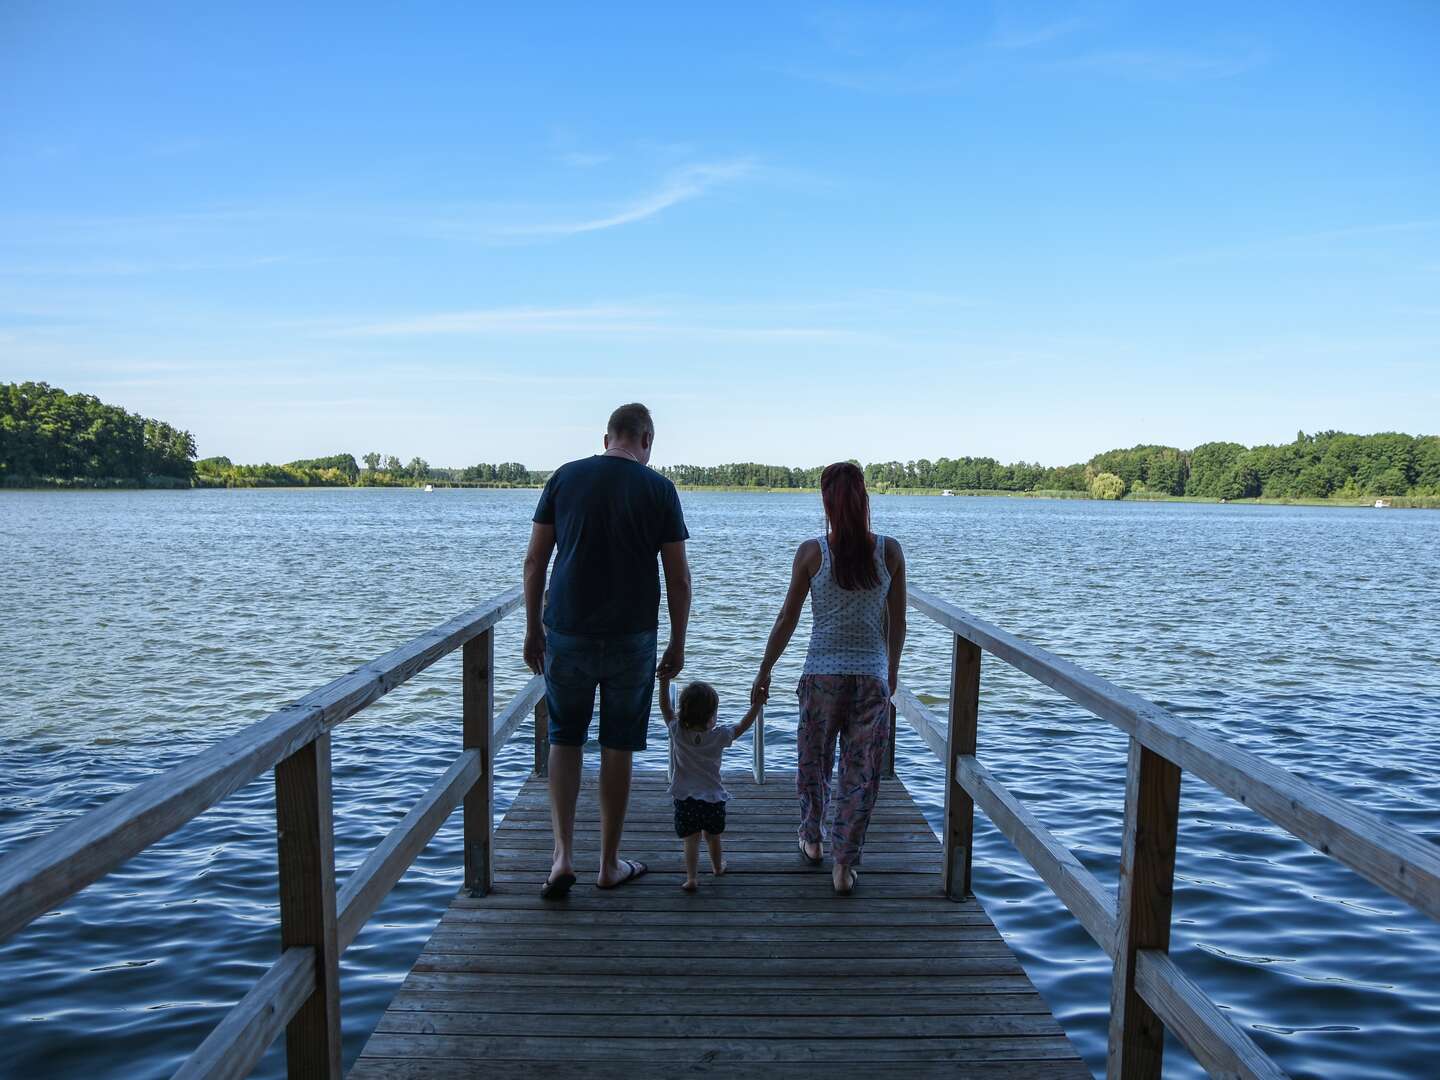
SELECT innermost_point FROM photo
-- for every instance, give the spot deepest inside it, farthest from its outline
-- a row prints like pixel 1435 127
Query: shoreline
pixel 1396 502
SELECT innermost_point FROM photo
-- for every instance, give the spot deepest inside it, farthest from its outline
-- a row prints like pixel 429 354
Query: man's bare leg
pixel 614 802
pixel 565 765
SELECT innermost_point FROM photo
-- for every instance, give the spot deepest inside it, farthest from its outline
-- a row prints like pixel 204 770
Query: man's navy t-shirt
pixel 611 515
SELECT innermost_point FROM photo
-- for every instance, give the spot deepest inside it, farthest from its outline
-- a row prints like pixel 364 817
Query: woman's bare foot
pixel 843 878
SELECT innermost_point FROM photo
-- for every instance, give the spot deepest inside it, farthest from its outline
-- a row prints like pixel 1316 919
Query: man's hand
pixel 535 650
pixel 672 660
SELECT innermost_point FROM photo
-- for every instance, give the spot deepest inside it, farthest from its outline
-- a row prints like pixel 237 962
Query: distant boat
pixel 1382 504
pixel 947 491
pixel 429 487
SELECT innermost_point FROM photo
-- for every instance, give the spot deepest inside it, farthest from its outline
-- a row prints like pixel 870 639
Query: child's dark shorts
pixel 697 815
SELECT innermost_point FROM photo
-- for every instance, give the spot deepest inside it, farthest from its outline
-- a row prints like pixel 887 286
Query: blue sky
pixel 798 232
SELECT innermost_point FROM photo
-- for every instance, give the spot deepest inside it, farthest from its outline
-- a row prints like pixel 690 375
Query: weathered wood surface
pixel 1080 890
pixel 1399 861
pixel 231 1050
pixel 959 830
pixel 1207 1031
pixel 1147 887
pixel 40 875
pixel 763 970
pixel 477 677
pixel 305 832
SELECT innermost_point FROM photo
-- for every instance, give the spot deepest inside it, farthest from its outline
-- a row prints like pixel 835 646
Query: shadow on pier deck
pixel 763 970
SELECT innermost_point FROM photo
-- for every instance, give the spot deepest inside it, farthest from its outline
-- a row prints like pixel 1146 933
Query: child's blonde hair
pixel 698 703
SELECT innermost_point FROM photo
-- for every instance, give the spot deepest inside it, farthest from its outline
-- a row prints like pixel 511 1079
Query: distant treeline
pixel 49 437
pixel 1331 464
pixel 342 470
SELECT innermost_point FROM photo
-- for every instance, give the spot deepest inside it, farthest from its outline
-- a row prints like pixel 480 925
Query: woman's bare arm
pixel 801 572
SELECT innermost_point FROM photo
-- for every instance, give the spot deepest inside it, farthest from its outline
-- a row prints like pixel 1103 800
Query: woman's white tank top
pixel 847 635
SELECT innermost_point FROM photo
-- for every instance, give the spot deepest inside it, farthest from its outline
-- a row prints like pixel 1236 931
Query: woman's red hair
pixel 847 508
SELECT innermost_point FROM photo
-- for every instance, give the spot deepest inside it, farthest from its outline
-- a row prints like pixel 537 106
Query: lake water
pixel 138 627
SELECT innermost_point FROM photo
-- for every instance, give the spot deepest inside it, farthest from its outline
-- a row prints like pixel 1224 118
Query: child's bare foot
pixel 720 867
pixel 690 885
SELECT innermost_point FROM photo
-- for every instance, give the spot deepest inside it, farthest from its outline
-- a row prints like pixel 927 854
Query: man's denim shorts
pixel 622 666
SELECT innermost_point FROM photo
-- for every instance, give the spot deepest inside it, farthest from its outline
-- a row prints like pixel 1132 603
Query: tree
pixel 372 461
pixel 418 468
pixel 1107 486
pixel 392 465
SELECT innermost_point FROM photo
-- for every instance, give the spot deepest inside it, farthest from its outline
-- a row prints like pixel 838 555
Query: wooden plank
pixel 1147 884
pixel 857 971
pixel 560 1067
pixel 233 1047
pixel 38 876
pixel 509 719
pixel 926 724
pixel 1080 891
pixel 306 840
pixel 477 668
pixel 959 828
pixel 954 947
pixel 668 1024
pixel 1217 1042
pixel 760 1002
pixel 757 980
pixel 741 1051
pixel 376 876
pixel 1399 861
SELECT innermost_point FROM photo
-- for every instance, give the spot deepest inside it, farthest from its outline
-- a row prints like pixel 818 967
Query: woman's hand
pixel 760 688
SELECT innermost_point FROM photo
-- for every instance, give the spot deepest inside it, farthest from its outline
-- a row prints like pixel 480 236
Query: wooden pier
pixel 746 976
pixel 762 971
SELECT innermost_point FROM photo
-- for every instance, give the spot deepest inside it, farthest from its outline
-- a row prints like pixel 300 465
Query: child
pixel 696 744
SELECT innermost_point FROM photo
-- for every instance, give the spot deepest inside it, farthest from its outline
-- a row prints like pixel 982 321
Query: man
pixel 605 518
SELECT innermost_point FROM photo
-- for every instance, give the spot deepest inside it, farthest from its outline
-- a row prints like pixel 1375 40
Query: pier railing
pixel 299 994
pixel 1149 992
pixel 318 921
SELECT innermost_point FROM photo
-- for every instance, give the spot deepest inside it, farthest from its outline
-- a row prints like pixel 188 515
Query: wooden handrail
pixel 1149 992
pixel 235 1044
pixel 1401 863
pixel 42 874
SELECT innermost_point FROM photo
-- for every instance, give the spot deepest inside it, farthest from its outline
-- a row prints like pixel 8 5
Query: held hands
pixel 534 651
pixel 672 660
pixel 760 689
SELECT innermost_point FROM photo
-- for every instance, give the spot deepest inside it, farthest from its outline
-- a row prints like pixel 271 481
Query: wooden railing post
pixel 542 738
pixel 306 848
pixel 1147 884
pixel 959 807
pixel 757 761
pixel 478 717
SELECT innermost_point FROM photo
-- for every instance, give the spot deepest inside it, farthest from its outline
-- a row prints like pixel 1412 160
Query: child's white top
pixel 697 761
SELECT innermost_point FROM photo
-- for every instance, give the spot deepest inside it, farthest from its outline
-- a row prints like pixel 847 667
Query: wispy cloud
pixel 627 321
pixel 1010 35
pixel 683 185
pixel 1165 65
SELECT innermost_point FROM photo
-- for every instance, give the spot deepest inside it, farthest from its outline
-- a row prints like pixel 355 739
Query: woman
pixel 856 584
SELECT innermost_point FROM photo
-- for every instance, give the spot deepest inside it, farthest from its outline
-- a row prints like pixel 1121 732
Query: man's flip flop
pixel 557 889
pixel 636 869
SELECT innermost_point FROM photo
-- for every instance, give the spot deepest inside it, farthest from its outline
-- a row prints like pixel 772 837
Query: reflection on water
pixel 139 627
